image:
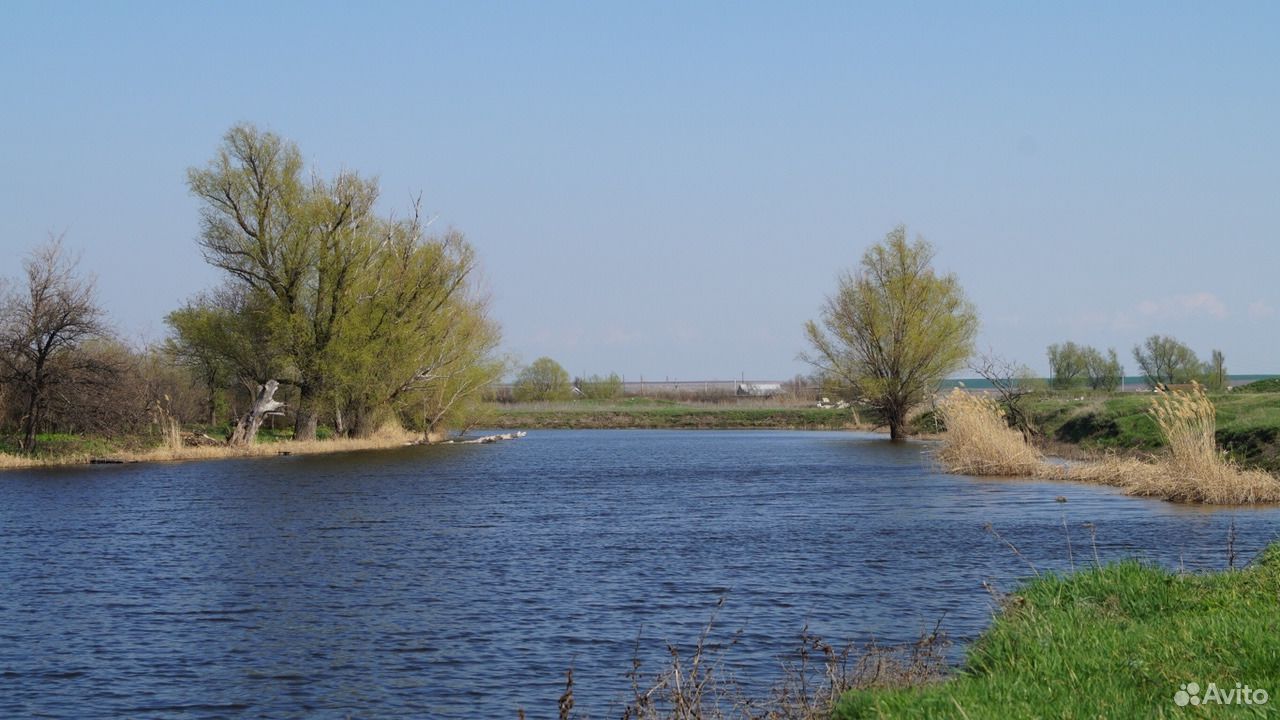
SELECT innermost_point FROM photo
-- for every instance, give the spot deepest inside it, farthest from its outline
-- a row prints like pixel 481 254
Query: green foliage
pixel 1165 361
pixel 1270 385
pixel 894 329
pixel 365 315
pixel 1103 372
pixel 541 381
pixel 1215 377
pixel 597 387
pixel 1115 641
pixel 1071 365
pixel 1067 365
pixel 1248 424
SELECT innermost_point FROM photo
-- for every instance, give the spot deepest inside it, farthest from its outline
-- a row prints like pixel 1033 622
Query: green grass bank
pixel 1248 423
pixel 657 413
pixel 1117 641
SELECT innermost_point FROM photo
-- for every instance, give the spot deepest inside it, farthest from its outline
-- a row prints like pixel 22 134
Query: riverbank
pixel 1120 640
pixel 652 413
pixel 71 450
pixel 1248 424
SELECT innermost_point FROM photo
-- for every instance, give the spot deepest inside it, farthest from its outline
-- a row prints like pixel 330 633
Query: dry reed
pixel 697 686
pixel 387 437
pixel 979 442
pixel 174 450
pixel 1195 469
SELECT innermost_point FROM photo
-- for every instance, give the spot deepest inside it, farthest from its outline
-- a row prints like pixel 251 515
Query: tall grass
pixel 386 437
pixel 979 442
pixel 175 449
pixel 1195 470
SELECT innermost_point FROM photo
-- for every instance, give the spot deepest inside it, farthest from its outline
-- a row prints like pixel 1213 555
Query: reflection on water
pixel 462 581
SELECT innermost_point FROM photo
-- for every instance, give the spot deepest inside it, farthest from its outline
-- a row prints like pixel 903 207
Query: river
pixel 462 581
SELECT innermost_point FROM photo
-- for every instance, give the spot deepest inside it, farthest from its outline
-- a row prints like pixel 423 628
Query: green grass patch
pixel 656 413
pixel 1270 385
pixel 1248 423
pixel 1116 642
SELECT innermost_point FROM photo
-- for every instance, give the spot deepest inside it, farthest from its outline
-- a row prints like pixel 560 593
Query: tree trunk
pixel 30 422
pixel 897 419
pixel 264 404
pixel 304 425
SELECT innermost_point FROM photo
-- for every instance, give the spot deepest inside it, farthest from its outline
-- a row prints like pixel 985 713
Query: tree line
pixel 355 317
pixel 1163 361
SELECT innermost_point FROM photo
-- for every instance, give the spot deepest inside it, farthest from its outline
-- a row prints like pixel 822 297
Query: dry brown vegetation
pixel 696 684
pixel 174 451
pixel 979 442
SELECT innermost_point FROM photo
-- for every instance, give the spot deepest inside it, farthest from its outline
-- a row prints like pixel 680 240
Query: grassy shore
pixel 657 413
pixel 1116 641
pixel 76 450
pixel 1248 424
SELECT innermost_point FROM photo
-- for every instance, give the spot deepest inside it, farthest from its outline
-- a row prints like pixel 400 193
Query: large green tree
pixel 366 315
pixel 894 328
pixel 1166 361
pixel 303 243
pixel 1068 364
pixel 543 379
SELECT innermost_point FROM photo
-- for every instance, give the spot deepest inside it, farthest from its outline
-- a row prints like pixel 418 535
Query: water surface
pixel 462 581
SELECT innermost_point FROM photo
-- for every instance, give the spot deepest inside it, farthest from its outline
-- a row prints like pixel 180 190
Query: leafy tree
pixel 422 344
pixel 1216 372
pixel 302 244
pixel 364 314
pixel 43 326
pixel 894 329
pixel 224 338
pixel 1102 371
pixel 544 379
pixel 599 387
pixel 1068 365
pixel 1164 361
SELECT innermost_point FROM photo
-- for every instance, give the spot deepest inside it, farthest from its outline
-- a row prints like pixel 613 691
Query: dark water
pixel 462 581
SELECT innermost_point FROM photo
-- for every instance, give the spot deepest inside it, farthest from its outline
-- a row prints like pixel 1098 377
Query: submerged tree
pixel 894 329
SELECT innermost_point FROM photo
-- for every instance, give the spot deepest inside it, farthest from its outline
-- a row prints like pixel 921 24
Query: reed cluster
pixel 979 442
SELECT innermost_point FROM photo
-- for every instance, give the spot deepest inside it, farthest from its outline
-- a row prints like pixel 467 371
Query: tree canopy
pixel 1166 361
pixel 894 328
pixel 543 379
pixel 365 315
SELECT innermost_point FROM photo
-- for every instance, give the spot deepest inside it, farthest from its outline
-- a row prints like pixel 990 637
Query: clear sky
pixel 669 189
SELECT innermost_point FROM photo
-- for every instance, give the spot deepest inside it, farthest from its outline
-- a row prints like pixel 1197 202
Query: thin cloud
pixel 1201 304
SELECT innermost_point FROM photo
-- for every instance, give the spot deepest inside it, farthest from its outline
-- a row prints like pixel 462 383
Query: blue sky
pixel 670 189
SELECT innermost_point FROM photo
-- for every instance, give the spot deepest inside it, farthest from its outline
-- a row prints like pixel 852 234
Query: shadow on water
pixel 461 581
